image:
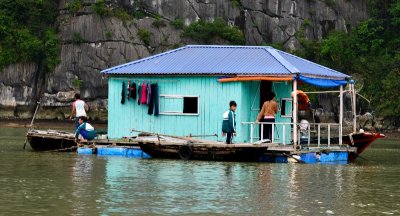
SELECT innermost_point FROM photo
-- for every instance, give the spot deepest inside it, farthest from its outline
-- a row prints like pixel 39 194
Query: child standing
pixel 229 122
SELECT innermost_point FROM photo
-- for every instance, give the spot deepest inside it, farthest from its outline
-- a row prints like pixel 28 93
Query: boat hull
pixel 361 141
pixel 220 152
pixel 50 141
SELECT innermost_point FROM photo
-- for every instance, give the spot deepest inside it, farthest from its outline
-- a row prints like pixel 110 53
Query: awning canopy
pixel 323 83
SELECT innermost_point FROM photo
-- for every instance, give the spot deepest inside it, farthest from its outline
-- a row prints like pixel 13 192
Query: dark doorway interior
pixel 265 91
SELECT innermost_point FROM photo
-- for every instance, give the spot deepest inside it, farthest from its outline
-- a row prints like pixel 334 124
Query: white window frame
pixel 280 107
pixel 179 97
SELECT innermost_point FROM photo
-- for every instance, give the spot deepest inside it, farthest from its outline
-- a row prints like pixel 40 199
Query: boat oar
pixel 31 125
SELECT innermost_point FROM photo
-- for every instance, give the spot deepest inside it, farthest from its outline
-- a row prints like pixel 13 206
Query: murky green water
pixel 35 183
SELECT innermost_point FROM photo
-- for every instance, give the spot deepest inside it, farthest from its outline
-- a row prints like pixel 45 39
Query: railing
pixel 307 133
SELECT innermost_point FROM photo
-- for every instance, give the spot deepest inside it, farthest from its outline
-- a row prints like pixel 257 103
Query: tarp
pixel 323 83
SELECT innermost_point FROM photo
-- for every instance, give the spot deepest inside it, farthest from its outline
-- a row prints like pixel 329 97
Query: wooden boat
pixel 190 149
pixel 361 140
pixel 49 140
pixel 204 151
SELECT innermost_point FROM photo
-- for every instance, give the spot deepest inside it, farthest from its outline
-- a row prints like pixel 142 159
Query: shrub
pixel 100 8
pixel 307 23
pixel 144 35
pixel 122 14
pixel 204 32
pixel 77 38
pixel 51 49
pixel 178 23
pixel 158 22
pixel 77 83
pixel 109 35
pixel 74 6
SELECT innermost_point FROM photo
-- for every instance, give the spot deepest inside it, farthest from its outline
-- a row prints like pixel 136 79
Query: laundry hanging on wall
pixel 123 93
pixel 145 93
pixel 143 98
pixel 131 90
pixel 153 102
pixel 139 93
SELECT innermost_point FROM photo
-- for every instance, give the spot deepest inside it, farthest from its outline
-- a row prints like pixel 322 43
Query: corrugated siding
pixel 213 102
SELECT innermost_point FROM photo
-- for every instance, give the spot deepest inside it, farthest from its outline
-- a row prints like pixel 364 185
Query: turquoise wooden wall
pixel 251 104
pixel 214 100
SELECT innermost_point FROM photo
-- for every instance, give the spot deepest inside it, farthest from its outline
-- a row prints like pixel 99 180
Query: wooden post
pixel 353 92
pixel 341 115
pixel 295 112
pixel 272 132
pixel 251 132
pixel 329 135
pixel 31 125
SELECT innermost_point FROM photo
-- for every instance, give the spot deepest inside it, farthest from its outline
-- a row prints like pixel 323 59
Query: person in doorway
pixel 229 123
pixel 267 114
pixel 85 130
pixel 79 108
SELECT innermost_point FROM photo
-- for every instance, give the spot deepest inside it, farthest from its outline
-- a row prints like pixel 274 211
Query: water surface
pixel 37 183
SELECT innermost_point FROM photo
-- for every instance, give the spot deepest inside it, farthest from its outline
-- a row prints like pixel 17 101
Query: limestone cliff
pixel 90 43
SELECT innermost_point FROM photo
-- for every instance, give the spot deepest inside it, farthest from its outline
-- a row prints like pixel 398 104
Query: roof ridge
pixel 321 66
pixel 290 67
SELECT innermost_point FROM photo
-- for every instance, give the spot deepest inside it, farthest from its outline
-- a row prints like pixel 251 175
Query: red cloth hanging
pixel 143 98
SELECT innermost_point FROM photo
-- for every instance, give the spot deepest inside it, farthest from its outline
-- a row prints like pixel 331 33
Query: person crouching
pixel 85 130
pixel 229 123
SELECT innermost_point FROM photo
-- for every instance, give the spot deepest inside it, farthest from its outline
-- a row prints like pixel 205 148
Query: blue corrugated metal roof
pixel 224 60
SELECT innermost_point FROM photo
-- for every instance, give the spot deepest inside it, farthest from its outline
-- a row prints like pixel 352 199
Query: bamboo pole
pixel 341 115
pixel 31 125
pixel 295 113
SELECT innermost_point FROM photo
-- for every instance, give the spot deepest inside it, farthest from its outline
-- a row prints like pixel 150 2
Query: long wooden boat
pixel 361 140
pixel 203 151
pixel 48 140
pixel 209 150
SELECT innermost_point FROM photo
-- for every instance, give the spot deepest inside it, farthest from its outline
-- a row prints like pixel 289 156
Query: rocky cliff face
pixel 90 43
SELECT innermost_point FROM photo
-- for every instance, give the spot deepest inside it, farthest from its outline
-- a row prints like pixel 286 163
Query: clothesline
pixel 144 80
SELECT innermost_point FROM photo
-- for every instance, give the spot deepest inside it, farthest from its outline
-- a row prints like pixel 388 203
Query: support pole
pixel 295 112
pixel 353 92
pixel 341 115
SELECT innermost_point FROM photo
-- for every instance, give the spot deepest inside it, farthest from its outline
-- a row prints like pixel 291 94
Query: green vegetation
pixel 307 22
pixel 330 3
pixel 178 23
pixel 100 8
pixel 144 35
pixel 74 6
pixel 205 32
pixel 77 38
pixel 236 3
pixel 372 50
pixel 27 33
pixel 77 83
pixel 158 22
pixel 109 35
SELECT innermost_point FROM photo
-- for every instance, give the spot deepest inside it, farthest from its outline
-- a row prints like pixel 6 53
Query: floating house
pixel 192 87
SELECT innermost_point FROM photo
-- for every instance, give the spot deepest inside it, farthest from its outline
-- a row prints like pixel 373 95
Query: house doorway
pixel 265 92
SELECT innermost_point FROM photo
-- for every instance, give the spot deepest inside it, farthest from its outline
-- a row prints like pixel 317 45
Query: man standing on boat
pixel 267 114
pixel 229 123
pixel 79 108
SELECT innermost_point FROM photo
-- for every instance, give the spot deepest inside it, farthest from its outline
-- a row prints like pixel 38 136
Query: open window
pixel 286 107
pixel 179 105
